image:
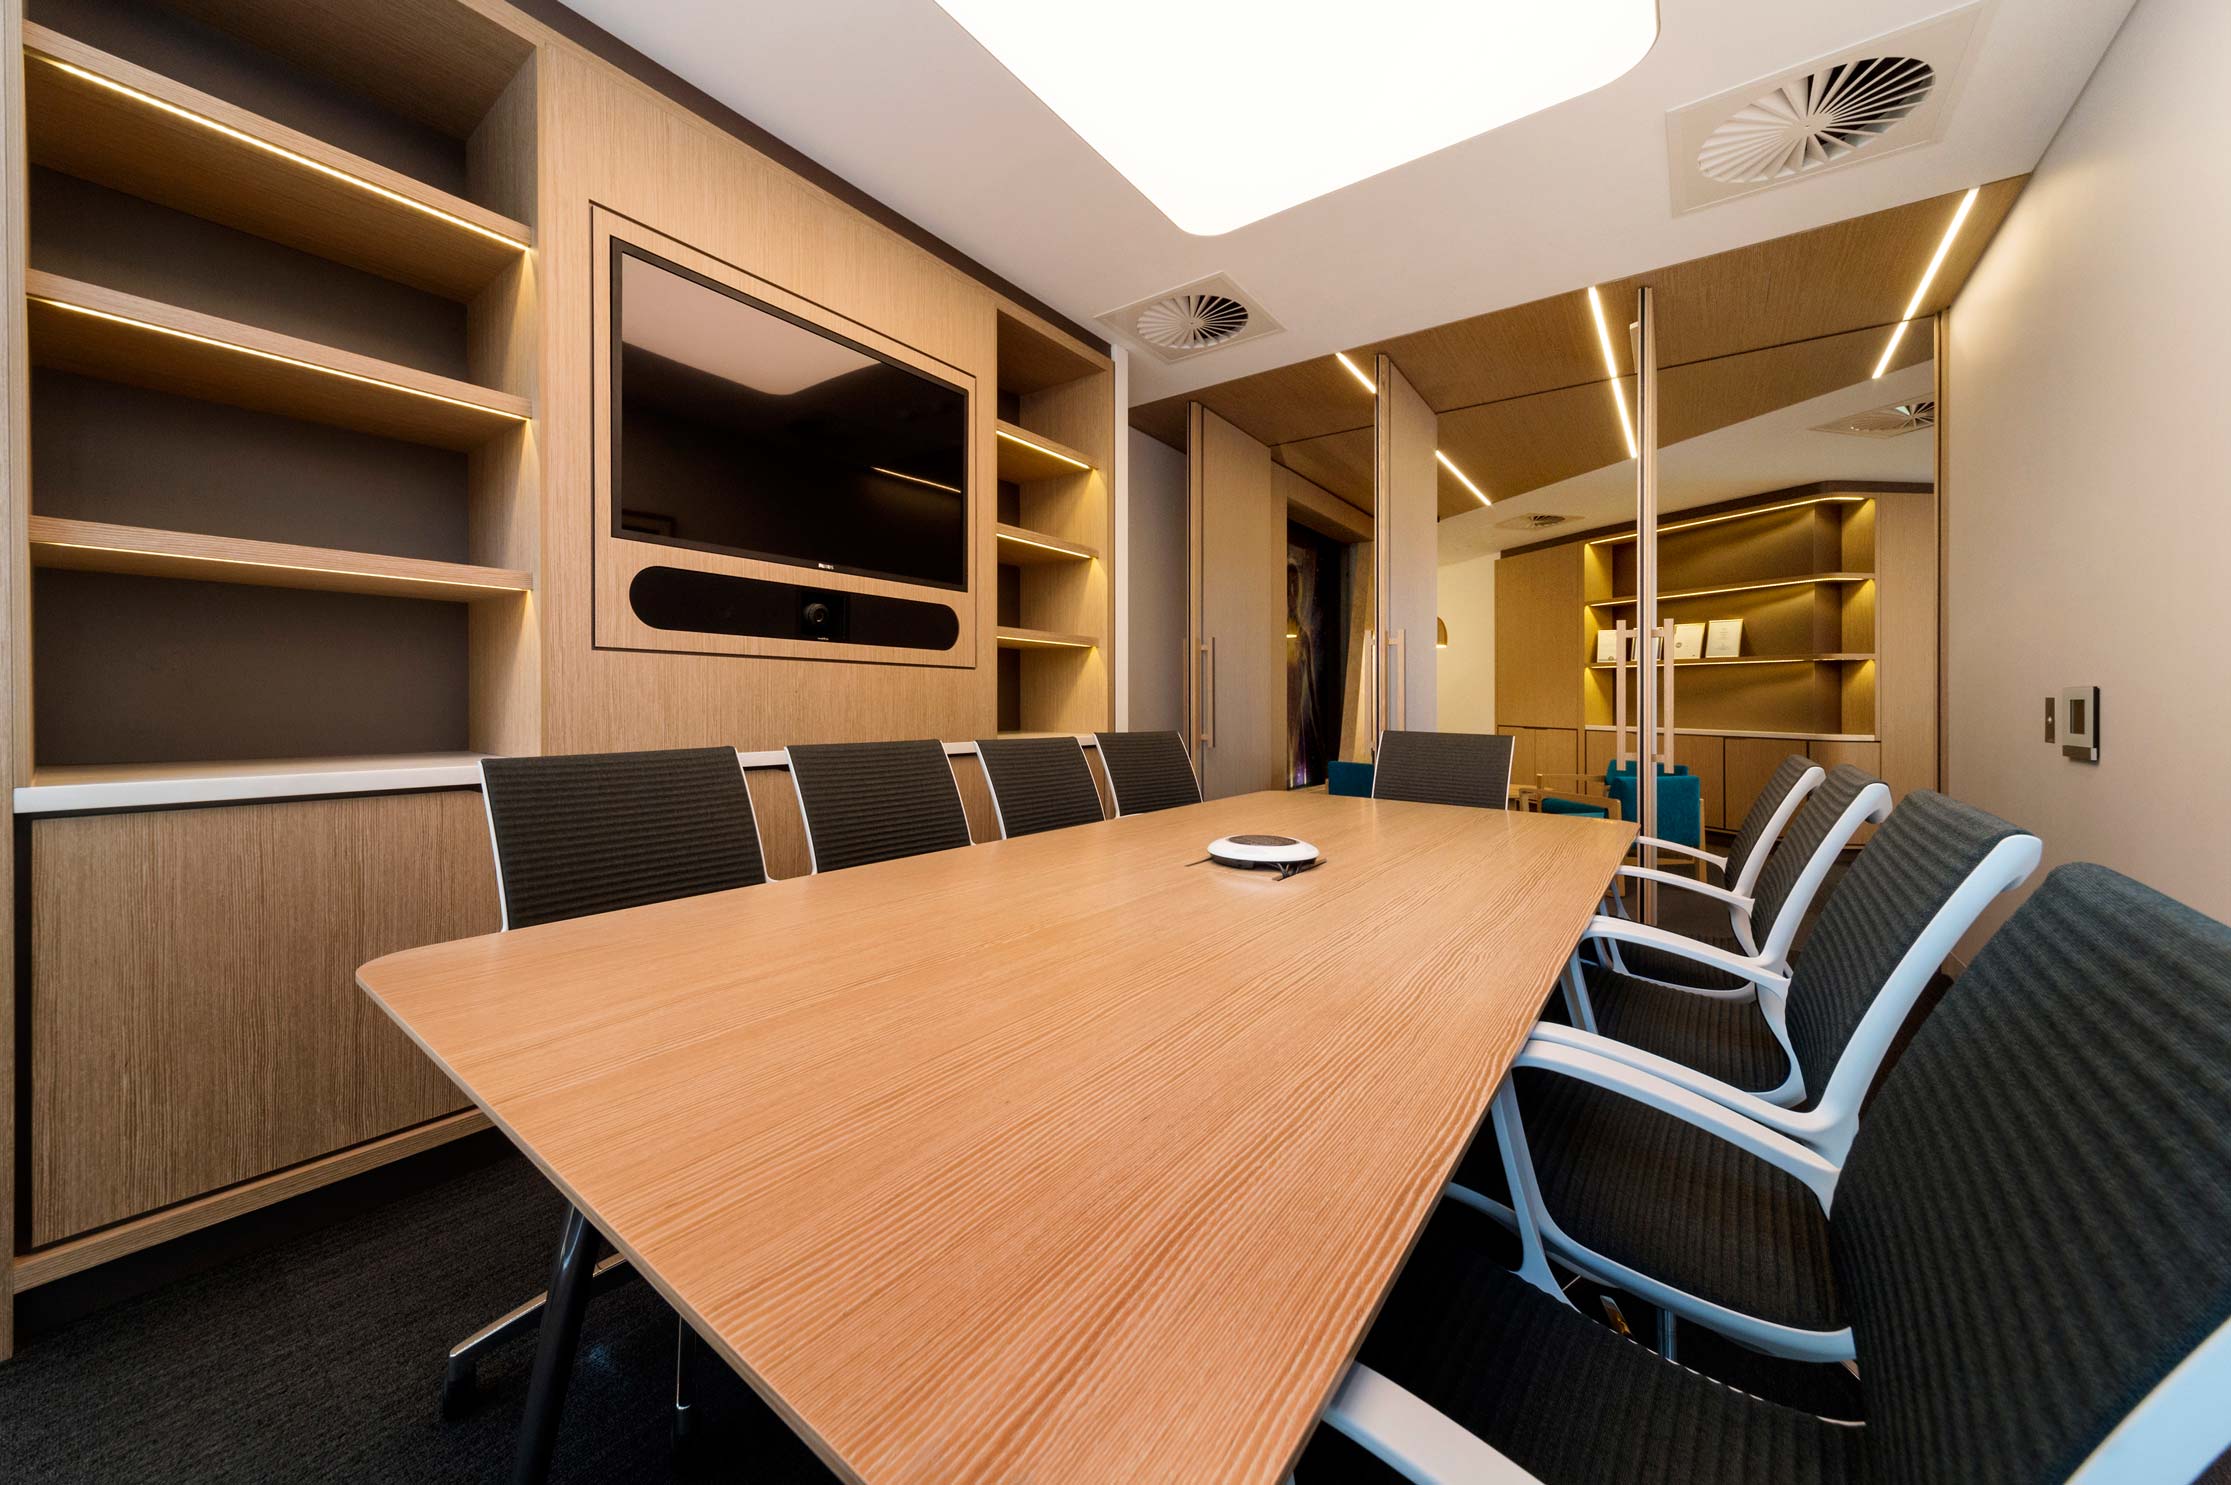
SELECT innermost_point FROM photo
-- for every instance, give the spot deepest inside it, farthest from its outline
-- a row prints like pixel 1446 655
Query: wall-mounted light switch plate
pixel 2080 723
pixel 2048 719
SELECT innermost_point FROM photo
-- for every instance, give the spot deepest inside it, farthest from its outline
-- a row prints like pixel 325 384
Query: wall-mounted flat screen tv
pixel 743 430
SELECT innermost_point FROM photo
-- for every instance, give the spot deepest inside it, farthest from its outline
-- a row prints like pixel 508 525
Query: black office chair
pixel 867 802
pixel 1785 790
pixel 1471 768
pixel 1038 783
pixel 1147 771
pixel 2028 1239
pixel 593 833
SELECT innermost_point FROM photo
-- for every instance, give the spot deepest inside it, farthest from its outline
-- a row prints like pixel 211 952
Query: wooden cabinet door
pixel 1408 489
pixel 1239 605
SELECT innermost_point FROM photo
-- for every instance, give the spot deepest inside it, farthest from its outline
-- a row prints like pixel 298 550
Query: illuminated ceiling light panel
pixel 1462 478
pixel 1355 371
pixel 1237 122
pixel 1611 370
pixel 1928 277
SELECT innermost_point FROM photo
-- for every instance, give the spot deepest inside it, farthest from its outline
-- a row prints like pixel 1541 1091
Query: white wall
pixel 1154 577
pixel 2088 491
pixel 1467 667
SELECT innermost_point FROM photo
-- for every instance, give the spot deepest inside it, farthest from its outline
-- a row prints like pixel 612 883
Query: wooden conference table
pixel 1052 1159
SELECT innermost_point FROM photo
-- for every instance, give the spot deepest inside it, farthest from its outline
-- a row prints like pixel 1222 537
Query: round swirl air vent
pixel 1538 521
pixel 1814 121
pixel 1887 422
pixel 1192 322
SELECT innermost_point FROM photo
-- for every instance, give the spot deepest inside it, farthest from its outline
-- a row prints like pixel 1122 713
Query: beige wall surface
pixel 1466 679
pixel 2087 525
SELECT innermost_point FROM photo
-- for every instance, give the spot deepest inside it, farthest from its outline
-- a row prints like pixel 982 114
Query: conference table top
pixel 1060 1158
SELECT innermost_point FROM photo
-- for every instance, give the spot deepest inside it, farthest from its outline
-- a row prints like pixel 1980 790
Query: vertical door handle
pixel 1398 668
pixel 1208 692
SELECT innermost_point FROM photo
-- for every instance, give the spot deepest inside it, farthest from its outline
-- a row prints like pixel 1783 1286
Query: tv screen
pixel 743 430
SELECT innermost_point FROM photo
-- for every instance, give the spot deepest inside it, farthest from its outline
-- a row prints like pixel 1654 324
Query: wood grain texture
pixel 441 62
pixel 1749 763
pixel 1340 462
pixel 1706 757
pixel 1239 642
pixel 143 343
pixel 1904 682
pixel 1319 509
pixel 1025 455
pixel 1035 356
pixel 1020 546
pixel 1408 482
pixel 15 613
pixel 1538 644
pixel 75 1255
pixel 193 1024
pixel 82 128
pixel 1054 1158
pixel 97 546
pixel 1071 691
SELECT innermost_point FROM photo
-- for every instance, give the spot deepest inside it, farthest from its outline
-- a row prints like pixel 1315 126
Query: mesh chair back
pixel 595 832
pixel 1917 860
pixel 2030 1231
pixel 1038 783
pixel 1808 832
pixel 1787 776
pixel 1471 768
pixel 1147 771
pixel 866 802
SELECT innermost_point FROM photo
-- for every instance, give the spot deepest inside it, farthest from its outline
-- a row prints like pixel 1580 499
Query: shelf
pixel 1810 580
pixel 1013 637
pixel 1026 456
pixel 1850 737
pixel 1019 546
pixel 120 337
pixel 1666 527
pixel 120 786
pixel 95 546
pixel 1825 659
pixel 106 120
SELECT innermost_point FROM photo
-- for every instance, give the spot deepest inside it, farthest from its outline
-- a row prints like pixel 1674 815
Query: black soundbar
pixel 713 603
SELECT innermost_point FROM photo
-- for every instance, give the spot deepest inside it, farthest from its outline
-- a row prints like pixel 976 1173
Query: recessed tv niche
pixel 743 430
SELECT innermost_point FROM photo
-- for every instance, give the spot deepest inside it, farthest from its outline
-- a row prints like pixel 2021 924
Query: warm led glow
pixel 915 479
pixel 303 161
pixel 1043 546
pixel 1611 369
pixel 273 356
pixel 1440 634
pixel 1763 660
pixel 1027 443
pixel 52 543
pixel 1240 125
pixel 1461 478
pixel 1928 276
pixel 1803 582
pixel 1355 371
pixel 1734 515
pixel 1035 641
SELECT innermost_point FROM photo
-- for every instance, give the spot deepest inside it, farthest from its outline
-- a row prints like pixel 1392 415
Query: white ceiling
pixel 897 98
pixel 1775 452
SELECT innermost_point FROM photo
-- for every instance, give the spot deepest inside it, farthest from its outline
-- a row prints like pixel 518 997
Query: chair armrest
pixel 1674 845
pixel 1419 1441
pixel 1604 802
pixel 1747 1135
pixel 1799 1127
pixel 1691 884
pixel 1628 931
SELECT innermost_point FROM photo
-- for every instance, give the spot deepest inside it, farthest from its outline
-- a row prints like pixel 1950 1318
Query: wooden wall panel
pixel 1751 761
pixel 608 140
pixel 171 1052
pixel 782 830
pixel 1538 646
pixel 1706 757
pixel 1861 755
pixel 15 645
pixel 1525 755
pixel 1905 619
pixel 1409 494
pixel 1239 531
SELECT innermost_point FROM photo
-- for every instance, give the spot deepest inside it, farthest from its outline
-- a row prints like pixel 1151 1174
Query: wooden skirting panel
pixel 194 1017
pixel 80 1253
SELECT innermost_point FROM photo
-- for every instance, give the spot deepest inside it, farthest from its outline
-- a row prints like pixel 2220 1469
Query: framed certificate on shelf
pixel 1688 641
pixel 1723 639
pixel 1607 646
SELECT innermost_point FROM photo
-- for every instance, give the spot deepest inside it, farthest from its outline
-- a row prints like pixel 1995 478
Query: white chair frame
pixel 1746 881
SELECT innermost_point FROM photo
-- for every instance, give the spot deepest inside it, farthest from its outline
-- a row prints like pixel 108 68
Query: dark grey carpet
pixel 321 1360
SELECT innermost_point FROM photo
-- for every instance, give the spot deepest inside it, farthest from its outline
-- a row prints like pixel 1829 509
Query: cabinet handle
pixel 1398 670
pixel 1208 693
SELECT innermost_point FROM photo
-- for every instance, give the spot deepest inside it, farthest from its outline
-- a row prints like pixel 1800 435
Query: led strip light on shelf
pixel 1735 515
pixel 273 356
pixel 212 560
pixel 1017 438
pixel 1817 581
pixel 203 121
pixel 1047 546
pixel 1011 638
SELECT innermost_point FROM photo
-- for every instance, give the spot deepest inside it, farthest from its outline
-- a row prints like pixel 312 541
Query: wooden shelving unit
pixel 1826 659
pixel 1053 441
pixel 1025 456
pixel 1810 580
pixel 110 121
pixel 1015 637
pixel 1021 547
pixel 96 546
pixel 93 331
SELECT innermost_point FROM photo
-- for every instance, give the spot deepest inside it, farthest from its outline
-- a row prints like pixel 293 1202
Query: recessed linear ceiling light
pixel 1461 478
pixel 1252 135
pixel 1611 370
pixel 1355 371
pixel 1928 277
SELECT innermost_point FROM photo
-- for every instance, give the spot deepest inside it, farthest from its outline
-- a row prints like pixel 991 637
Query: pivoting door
pixel 1408 488
pixel 1238 685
